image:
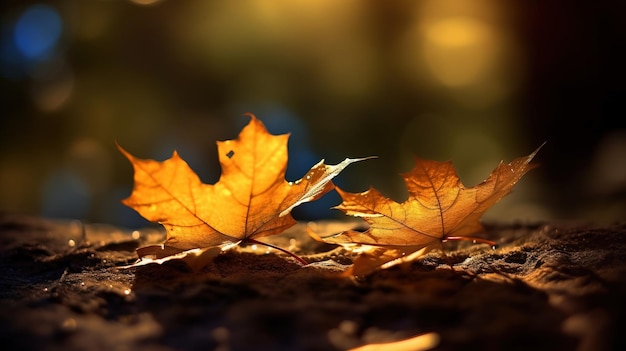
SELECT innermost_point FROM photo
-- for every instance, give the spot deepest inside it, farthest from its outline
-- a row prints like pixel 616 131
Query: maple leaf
pixel 250 200
pixel 439 208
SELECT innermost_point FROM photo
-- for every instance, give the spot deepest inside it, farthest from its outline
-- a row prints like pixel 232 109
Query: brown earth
pixel 546 287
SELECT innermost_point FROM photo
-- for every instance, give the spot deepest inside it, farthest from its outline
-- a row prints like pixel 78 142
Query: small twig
pixel 296 257
pixel 57 283
pixel 472 239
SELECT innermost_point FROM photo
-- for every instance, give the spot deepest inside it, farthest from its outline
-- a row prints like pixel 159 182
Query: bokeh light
pixel 458 51
pixel 145 2
pixel 473 81
pixel 37 31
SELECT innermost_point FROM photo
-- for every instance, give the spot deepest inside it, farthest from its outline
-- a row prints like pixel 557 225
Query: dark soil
pixel 546 287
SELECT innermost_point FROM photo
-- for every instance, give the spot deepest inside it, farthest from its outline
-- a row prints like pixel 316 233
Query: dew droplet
pixel 71 243
pixel 290 183
pixel 254 247
pixel 135 234
pixel 126 291
pixel 493 247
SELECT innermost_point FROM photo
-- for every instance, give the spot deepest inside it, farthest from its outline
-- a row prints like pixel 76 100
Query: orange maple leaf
pixel 439 208
pixel 251 199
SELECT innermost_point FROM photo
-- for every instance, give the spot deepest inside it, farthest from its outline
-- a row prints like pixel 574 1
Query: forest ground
pixel 547 286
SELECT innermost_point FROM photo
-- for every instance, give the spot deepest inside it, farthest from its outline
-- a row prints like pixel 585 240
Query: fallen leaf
pixel 417 343
pixel 250 200
pixel 439 208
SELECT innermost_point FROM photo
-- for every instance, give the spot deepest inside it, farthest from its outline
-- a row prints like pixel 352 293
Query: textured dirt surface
pixel 546 287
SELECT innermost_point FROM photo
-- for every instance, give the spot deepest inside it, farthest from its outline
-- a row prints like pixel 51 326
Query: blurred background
pixel 472 81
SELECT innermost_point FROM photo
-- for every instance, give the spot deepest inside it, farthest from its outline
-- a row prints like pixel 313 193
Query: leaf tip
pixel 361 158
pixel 250 114
pixel 348 161
pixel 532 155
pixel 122 150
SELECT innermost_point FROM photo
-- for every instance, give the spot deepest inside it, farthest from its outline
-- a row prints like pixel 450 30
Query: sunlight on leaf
pixel 439 208
pixel 251 200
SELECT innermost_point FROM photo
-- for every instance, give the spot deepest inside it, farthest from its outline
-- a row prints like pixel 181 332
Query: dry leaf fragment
pixel 421 342
pixel 439 208
pixel 251 199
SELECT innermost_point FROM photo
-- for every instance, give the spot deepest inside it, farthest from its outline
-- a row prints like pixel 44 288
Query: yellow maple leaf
pixel 439 208
pixel 250 200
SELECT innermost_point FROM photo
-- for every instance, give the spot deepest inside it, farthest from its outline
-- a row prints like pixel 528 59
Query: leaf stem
pixel 472 239
pixel 296 257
